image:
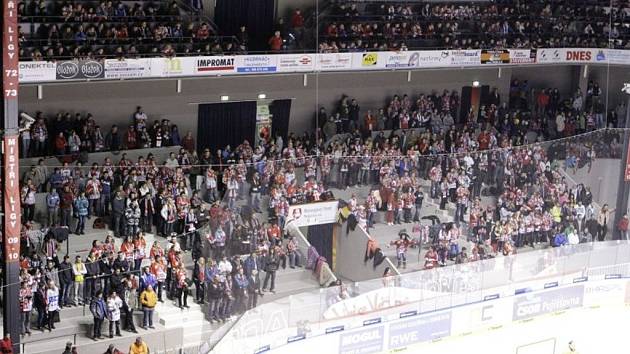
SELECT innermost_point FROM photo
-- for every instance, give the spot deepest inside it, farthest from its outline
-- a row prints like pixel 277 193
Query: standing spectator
pixel 253 289
pixel 271 266
pixel 93 190
pixel 66 203
pixel 199 278
pixel 132 216
pixel 66 279
pixel 28 200
pixel 52 202
pixel 148 299
pixel 113 139
pixel 241 289
pixel 79 271
pixel 182 286
pixel 81 206
pixel 114 304
pixel 130 302
pixel 118 212
pixel 275 42
pixel 60 144
pixel 622 225
pixel 26 307
pixel 215 291
pixel 52 304
pixel 602 220
pixel 98 308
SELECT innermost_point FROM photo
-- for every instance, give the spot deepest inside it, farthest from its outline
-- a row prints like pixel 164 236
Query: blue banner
pixel 416 330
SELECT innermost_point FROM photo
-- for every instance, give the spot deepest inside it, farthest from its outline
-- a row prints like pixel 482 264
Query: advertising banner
pixel 618 56
pixel 401 60
pixel 37 71
pixel 313 214
pixel 580 55
pixel 296 62
pixel 550 55
pixel 523 56
pixel 369 340
pixel 214 65
pixel 334 61
pixel 465 57
pixel 368 60
pixel 495 56
pixel 167 67
pixel 80 69
pixel 535 304
pixel 257 63
pixel 11 200
pixel 434 59
pixel 421 329
pixel 127 69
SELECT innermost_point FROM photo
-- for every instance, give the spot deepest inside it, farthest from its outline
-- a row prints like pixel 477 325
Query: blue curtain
pixel 281 112
pixel 321 237
pixel 222 124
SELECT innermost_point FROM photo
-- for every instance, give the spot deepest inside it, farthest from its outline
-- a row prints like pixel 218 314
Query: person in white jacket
pixel 52 303
pixel 580 213
pixel 114 304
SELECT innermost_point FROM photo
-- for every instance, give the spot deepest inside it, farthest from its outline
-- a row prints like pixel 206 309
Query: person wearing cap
pixel 139 347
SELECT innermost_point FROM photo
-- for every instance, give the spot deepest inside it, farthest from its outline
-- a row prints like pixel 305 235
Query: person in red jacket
pixel 275 42
pixel 6 345
pixel 622 225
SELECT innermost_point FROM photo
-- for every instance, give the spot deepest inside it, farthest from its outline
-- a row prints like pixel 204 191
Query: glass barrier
pixel 323 310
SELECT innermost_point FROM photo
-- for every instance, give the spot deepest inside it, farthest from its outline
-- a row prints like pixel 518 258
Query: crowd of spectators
pixel 357 26
pixel 505 194
pixel 106 29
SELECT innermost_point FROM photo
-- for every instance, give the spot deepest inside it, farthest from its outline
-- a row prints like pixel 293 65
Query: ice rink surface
pixel 594 330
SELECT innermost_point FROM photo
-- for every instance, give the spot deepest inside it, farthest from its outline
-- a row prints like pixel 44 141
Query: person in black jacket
pixel 116 281
pixel 121 263
pixel 92 277
pixel 271 266
pixel 39 303
pixel 253 289
pixel 118 213
pixel 107 269
pixel 215 293
pixel 66 279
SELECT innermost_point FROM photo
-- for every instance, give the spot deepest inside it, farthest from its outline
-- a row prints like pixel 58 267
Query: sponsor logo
pixel 578 55
pixel 257 63
pixel 67 70
pixel 532 305
pixel 370 59
pixel 39 65
pixel 495 57
pixel 295 61
pixel 465 57
pixel 405 333
pixel 523 56
pixel 363 341
pixel 92 69
pixel 215 64
pixel 600 56
pixel 89 69
pixel 335 61
pixel 550 55
pixel 174 66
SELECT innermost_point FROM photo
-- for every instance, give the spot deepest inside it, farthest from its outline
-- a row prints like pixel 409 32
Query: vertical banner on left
pixel 10 60
pixel 12 215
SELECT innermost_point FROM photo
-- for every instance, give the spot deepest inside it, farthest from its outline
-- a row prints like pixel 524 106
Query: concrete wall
pixel 350 253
